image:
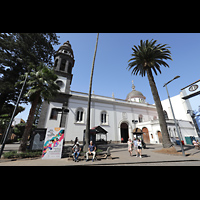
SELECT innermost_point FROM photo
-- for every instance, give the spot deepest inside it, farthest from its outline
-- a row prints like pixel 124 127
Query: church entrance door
pixel 124 132
pixel 146 135
pixel 159 136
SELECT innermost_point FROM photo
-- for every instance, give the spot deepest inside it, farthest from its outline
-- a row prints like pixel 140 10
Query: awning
pixel 99 130
pixel 137 131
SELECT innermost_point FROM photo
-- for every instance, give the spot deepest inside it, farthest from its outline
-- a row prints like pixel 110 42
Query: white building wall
pixel 74 129
pixel 50 122
pixel 117 113
pixel 153 128
pixel 179 106
pixel 187 129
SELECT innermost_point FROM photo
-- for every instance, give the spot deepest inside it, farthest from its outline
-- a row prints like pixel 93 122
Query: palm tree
pixel 148 57
pixel 87 135
pixel 42 87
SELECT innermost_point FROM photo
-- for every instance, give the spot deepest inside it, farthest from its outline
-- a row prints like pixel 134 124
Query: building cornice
pixel 110 100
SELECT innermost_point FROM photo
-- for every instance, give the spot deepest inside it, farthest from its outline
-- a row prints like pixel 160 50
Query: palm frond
pixel 42 80
pixel 148 55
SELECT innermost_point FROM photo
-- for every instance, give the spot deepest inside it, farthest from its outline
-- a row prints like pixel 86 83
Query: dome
pixel 135 95
pixel 66 49
pixel 66 46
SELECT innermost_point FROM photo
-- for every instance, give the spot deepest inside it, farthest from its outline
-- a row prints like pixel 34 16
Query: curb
pixel 132 163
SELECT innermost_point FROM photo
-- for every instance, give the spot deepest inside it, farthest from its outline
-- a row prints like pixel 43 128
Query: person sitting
pixel 196 144
pixel 76 150
pixel 91 150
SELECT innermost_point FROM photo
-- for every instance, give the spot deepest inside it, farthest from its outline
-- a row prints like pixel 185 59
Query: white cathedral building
pixel 119 117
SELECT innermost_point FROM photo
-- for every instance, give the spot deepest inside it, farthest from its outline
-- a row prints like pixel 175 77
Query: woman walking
pixel 130 145
pixel 135 146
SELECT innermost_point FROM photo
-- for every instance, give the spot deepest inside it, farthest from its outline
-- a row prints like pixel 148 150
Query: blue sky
pixel 114 51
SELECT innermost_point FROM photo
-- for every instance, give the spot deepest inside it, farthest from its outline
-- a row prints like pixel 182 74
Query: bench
pixel 106 154
pixel 98 156
pixel 196 144
pixel 197 147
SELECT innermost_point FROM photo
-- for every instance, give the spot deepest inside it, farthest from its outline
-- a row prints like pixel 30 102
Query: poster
pixel 37 139
pixel 53 143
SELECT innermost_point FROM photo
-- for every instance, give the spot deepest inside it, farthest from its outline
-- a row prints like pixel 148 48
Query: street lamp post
pixel 11 120
pixel 165 85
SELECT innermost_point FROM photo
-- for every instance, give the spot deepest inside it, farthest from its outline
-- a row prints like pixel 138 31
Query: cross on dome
pixel 135 95
pixel 133 86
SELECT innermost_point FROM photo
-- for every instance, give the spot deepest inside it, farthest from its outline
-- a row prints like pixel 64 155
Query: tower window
pixel 60 83
pixel 62 66
pixel 56 62
pixel 69 69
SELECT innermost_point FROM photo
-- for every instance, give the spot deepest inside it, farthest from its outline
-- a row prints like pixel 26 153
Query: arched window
pixel 56 62
pixel 69 69
pixel 62 65
pixel 104 118
pixel 165 114
pixel 169 131
pixel 79 115
pixel 175 133
pixel 140 118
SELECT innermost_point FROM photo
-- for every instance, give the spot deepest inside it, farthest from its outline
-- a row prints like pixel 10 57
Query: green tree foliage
pixel 31 48
pixel 42 86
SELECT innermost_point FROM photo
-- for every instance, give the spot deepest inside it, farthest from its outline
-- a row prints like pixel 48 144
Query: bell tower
pixel 54 113
pixel 63 64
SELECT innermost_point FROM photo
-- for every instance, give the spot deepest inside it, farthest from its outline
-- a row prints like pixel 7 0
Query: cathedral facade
pixel 119 117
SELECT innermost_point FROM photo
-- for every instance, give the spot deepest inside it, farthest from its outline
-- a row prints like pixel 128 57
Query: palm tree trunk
pixel 28 127
pixel 165 136
pixel 85 148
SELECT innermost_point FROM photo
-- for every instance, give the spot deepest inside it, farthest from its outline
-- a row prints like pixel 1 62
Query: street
pixel 183 163
pixel 11 147
pixel 120 157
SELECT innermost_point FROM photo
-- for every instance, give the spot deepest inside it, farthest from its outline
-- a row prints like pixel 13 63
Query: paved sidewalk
pixel 120 156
